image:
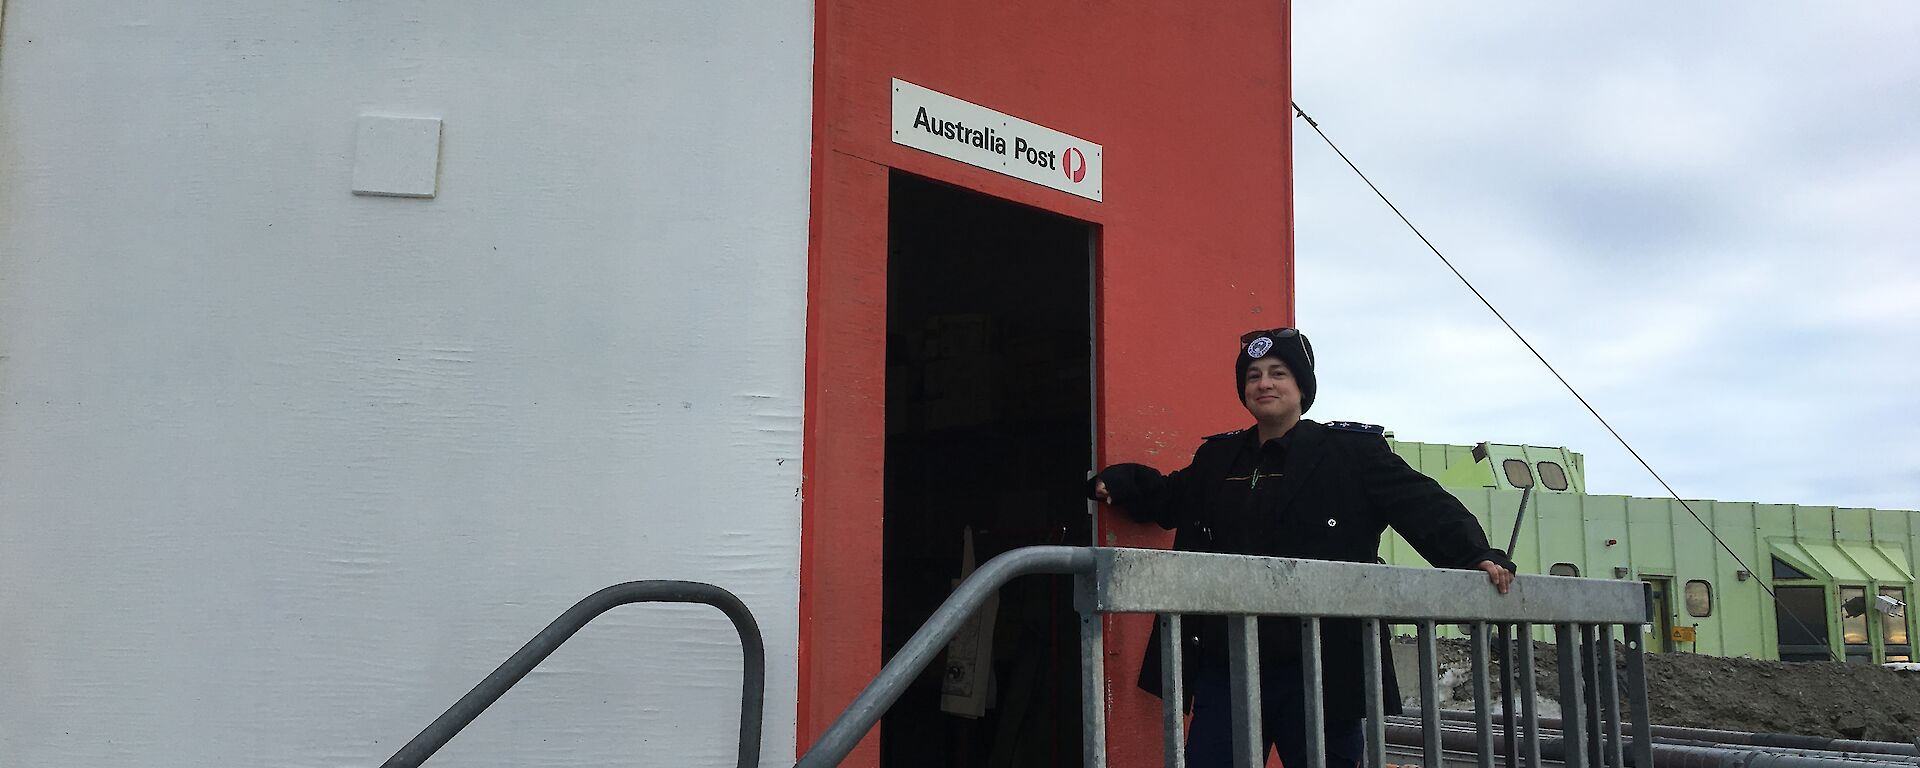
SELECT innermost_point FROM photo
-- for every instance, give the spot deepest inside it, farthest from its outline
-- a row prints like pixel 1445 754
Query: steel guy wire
pixel 1315 125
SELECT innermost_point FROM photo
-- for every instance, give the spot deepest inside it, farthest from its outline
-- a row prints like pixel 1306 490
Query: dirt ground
pixel 1830 699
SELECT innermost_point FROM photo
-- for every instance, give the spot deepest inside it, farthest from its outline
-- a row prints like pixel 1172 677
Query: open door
pixel 1662 589
pixel 989 440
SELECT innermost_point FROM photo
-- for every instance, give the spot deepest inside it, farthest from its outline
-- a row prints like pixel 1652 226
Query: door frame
pixel 1663 615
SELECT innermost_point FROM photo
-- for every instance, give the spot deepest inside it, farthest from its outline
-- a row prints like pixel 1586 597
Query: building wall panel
pixel 1194 247
pixel 1853 524
pixel 1605 520
pixel 1693 555
pixel 1563 535
pixel 285 470
pixel 1891 525
pixel 1813 523
pixel 1650 525
pixel 1737 613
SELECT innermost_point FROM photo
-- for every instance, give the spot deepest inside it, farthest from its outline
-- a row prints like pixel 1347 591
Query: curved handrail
pixel 752 649
pixel 860 716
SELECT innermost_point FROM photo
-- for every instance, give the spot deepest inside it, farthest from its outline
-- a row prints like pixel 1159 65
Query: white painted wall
pixel 285 470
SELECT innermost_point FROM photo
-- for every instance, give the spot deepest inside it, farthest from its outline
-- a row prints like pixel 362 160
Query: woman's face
pixel 1270 392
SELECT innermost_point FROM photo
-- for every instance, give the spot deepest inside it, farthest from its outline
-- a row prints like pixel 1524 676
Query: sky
pixel 1703 214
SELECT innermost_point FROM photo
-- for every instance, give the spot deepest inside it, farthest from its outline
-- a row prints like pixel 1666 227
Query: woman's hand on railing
pixel 1501 578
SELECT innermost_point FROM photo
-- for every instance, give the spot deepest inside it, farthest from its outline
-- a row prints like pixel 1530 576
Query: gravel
pixel 1830 699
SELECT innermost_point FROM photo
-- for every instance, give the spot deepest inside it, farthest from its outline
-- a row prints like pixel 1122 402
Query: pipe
pixel 1664 755
pixel 1744 738
pixel 752 650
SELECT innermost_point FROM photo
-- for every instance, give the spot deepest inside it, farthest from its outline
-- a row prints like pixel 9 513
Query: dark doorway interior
pixel 1661 588
pixel 1800 615
pixel 989 430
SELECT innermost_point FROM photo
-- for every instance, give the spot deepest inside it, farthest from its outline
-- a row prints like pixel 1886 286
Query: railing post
pixel 1610 699
pixel 1482 697
pixel 1509 738
pixel 1093 673
pixel 1590 664
pixel 1376 725
pixel 1310 682
pixel 1173 694
pixel 1573 716
pixel 1243 652
pixel 1429 695
pixel 1529 693
pixel 1637 695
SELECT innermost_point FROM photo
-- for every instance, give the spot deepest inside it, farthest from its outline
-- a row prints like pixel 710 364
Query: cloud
pixel 1703 218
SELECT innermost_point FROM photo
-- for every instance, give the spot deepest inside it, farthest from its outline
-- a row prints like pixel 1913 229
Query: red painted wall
pixel 1190 101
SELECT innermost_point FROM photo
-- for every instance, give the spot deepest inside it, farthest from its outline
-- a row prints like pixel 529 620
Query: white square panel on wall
pixel 397 156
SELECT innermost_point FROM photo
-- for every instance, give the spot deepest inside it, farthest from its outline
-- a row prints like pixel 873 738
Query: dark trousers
pixel 1283 721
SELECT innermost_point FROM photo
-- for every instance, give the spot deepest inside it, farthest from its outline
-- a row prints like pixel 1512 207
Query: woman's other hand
pixel 1500 577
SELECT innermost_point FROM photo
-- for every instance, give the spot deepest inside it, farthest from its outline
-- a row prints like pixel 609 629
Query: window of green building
pixel 1518 475
pixel 1783 571
pixel 1563 569
pixel 1553 476
pixel 1699 598
pixel 1853 625
pixel 1893 626
pixel 1895 621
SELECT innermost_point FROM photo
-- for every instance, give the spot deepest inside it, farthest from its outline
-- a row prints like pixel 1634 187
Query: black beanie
pixel 1292 347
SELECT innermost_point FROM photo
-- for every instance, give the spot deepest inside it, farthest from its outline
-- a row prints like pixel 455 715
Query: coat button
pixel 1332 522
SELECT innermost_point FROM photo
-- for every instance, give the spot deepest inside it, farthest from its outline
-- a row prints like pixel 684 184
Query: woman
pixel 1291 487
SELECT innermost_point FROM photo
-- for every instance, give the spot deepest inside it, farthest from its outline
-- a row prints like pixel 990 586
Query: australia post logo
pixel 1074 163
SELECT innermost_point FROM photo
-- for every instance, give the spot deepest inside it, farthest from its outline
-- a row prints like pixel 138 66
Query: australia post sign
pixel 933 121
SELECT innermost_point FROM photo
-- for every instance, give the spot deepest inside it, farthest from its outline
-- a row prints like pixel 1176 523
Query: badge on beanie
pixel 1258 347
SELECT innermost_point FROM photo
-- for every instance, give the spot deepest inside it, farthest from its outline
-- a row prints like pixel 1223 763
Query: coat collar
pixel 1307 445
pixel 1307 431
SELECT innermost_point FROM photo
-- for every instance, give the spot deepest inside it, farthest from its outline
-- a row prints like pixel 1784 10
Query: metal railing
pixel 1583 612
pixel 752 650
pixel 1583 615
pixel 860 716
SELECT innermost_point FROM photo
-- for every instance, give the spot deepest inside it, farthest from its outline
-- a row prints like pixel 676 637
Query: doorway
pixel 1661 588
pixel 989 428
pixel 1800 623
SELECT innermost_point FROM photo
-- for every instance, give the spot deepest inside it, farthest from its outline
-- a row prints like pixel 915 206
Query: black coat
pixel 1320 492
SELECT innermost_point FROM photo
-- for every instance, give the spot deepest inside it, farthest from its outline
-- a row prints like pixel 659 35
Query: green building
pixel 1841 576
